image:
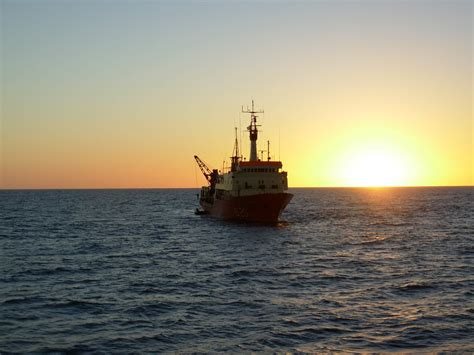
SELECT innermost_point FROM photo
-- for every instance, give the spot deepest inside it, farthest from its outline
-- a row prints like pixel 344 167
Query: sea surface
pixel 370 270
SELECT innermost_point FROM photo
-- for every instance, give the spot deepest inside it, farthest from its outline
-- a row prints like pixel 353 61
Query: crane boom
pixel 204 168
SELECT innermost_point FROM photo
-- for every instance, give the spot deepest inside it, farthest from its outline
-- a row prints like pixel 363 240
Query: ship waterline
pixel 265 207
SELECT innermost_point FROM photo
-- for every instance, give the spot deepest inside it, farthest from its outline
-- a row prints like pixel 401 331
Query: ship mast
pixel 268 151
pixel 253 131
pixel 235 154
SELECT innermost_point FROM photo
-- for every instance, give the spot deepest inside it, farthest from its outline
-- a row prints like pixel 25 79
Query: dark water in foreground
pixel 136 270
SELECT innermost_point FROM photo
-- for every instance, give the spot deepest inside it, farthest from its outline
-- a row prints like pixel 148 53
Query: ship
pixel 253 190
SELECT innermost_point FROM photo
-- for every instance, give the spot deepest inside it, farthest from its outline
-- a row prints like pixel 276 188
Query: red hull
pixel 256 208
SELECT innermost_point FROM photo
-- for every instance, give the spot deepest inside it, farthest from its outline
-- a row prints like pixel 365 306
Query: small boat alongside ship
pixel 253 190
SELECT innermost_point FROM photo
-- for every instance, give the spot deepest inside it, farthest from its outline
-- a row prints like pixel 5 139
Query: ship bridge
pixel 252 178
pixel 260 166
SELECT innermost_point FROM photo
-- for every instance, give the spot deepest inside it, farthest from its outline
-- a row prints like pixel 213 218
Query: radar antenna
pixel 253 130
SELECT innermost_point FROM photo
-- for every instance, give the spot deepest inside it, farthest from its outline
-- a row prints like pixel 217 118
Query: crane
pixel 208 174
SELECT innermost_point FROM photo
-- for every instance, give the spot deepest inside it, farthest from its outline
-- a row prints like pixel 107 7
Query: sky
pixel 122 94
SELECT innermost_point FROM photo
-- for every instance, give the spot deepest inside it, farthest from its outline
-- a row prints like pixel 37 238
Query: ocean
pixel 369 270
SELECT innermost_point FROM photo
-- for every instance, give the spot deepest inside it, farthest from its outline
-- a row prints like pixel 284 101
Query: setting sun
pixel 375 169
pixel 374 165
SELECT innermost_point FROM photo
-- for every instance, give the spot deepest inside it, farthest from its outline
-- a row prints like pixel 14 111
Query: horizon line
pixel 197 188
